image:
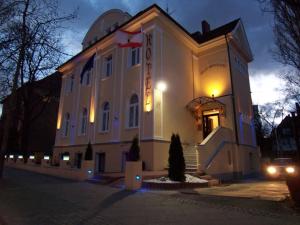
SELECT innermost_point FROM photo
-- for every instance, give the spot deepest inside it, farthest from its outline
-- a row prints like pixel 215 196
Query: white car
pixel 281 167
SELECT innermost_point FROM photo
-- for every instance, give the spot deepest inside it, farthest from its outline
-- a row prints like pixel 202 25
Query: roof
pixel 197 36
pixel 45 82
pixel 223 30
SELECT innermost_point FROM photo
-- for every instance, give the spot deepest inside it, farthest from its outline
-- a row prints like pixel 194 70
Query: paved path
pixel 265 190
pixel 32 199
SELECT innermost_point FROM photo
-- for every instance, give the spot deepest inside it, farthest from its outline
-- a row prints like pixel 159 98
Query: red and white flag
pixel 129 39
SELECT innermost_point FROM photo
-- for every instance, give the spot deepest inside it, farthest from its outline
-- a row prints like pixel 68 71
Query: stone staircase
pixel 191 159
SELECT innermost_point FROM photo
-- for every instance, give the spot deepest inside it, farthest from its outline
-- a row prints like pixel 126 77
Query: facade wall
pixel 188 70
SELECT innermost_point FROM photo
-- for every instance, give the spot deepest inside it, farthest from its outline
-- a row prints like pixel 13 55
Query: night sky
pixel 264 70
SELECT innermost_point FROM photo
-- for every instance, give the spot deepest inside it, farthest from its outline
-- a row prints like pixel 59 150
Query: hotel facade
pixel 193 84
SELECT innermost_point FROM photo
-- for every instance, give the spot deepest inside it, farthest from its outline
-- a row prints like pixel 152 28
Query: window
pixel 133 111
pixel 69 84
pixel 135 56
pixel 104 117
pixel 86 77
pixel 108 66
pixel 108 30
pixel 83 121
pixel 66 124
pixel 115 26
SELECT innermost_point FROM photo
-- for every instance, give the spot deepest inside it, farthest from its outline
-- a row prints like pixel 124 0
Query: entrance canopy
pixel 201 104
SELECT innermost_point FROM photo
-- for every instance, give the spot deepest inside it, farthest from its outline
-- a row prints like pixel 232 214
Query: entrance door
pixel 78 159
pixel 210 122
pixel 100 163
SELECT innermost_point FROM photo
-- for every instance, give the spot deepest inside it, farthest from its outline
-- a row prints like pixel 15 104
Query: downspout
pixel 232 93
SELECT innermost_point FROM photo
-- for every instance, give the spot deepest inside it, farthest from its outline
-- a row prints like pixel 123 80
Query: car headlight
pixel 290 169
pixel 271 170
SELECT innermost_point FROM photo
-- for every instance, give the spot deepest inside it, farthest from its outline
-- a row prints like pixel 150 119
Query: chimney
pixel 205 27
pixel 298 109
pixel 293 114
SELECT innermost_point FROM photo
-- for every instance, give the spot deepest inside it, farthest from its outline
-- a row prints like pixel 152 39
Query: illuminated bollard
pixel 65 162
pixel 46 161
pixel 133 175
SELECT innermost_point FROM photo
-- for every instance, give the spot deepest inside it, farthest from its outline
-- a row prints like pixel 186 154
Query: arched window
pixel 133 111
pixel 104 117
pixel 86 77
pixel 84 118
pixel 66 124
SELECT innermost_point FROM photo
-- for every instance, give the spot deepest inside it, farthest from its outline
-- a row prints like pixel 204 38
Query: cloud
pixel 266 88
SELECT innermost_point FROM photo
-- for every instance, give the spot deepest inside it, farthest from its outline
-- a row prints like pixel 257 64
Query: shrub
pixel 134 151
pixel 176 160
pixel 89 152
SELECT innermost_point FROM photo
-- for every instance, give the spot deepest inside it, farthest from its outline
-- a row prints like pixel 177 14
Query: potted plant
pixel 133 167
pixel 176 168
pixel 88 162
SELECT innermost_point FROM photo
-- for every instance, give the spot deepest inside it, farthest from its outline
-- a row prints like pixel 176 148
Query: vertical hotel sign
pixel 148 74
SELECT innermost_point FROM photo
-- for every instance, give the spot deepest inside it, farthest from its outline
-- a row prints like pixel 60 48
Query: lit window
pixel 135 56
pixel 66 124
pixel 83 121
pixel 108 66
pixel 133 111
pixel 104 117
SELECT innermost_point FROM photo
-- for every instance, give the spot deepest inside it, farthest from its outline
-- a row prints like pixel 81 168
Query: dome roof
pixel 105 23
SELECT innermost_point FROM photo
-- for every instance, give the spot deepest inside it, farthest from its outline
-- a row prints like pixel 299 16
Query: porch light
pixel 20 157
pixel 162 86
pixel 138 177
pixel 31 157
pixel 89 171
pixel 215 92
pixel 46 157
pixel 11 156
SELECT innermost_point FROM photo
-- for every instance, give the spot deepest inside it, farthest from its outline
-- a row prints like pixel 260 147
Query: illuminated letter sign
pixel 148 85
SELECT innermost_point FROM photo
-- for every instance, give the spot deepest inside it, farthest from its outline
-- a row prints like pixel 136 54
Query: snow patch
pixel 188 179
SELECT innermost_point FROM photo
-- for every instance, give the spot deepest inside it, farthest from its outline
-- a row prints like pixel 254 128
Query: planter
pixel 31 162
pixel 293 183
pixel 45 163
pixel 64 164
pixel 173 186
pixel 87 168
pixel 133 175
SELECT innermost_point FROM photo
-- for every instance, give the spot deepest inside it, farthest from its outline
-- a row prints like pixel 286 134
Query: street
pixel 29 198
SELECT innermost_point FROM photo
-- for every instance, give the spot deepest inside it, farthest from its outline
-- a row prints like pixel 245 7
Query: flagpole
pixel 141 85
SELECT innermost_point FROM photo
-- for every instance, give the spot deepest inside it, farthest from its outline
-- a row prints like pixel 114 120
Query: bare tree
pixel 270 113
pixel 34 49
pixel 287 39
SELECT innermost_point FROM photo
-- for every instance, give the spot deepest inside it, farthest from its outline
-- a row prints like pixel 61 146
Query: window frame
pixel 133 112
pixel 66 124
pixel 108 61
pixel 83 122
pixel 104 112
pixel 134 60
